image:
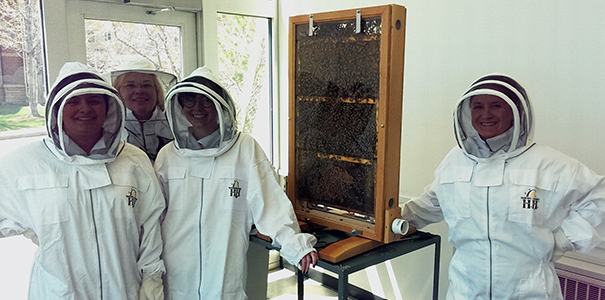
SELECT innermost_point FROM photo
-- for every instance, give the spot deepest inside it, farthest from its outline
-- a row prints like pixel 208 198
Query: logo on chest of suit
pixel 132 197
pixel 235 189
pixel 530 201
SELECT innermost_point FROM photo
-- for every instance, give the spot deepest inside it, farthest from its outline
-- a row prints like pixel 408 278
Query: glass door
pixel 110 44
pixel 164 35
pixel 105 34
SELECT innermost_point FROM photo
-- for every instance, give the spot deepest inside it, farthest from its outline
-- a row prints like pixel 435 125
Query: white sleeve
pixel 274 215
pixel 584 225
pixel 10 228
pixel 14 215
pixel 149 210
pixel 424 209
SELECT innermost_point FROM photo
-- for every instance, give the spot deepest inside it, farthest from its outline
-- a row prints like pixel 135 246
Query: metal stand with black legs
pixel 343 269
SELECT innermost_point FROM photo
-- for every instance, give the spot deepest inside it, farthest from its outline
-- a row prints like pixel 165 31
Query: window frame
pixel 65 29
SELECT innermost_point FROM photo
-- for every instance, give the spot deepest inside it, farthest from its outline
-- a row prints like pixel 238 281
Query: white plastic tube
pixel 400 226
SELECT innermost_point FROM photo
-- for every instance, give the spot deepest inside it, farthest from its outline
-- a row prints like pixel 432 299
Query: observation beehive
pixel 346 82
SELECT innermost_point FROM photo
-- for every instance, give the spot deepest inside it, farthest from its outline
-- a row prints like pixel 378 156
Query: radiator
pixel 576 286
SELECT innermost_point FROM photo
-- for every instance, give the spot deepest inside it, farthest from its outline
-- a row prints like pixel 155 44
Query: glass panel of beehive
pixel 337 86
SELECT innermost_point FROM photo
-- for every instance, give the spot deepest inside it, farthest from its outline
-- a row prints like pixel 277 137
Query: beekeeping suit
pixel 214 196
pixel 151 135
pixel 512 206
pixel 95 217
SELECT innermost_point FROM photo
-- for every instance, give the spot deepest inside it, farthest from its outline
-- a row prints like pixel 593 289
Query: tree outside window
pixel 21 33
pixel 109 44
pixel 244 69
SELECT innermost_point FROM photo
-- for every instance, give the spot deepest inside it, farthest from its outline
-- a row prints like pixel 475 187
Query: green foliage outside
pixel 242 63
pixel 13 117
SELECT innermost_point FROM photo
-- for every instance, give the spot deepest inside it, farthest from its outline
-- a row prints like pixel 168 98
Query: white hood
pixel 510 143
pixel 202 81
pixel 144 66
pixel 76 79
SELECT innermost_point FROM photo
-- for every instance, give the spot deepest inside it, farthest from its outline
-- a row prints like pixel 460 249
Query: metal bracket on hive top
pixel 310 25
pixel 358 21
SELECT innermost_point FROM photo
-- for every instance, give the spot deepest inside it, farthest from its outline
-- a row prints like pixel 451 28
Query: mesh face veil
pixel 76 79
pixel 202 81
pixel 518 136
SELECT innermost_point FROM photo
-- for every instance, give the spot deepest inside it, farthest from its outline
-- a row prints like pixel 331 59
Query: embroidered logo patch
pixel 132 197
pixel 235 189
pixel 530 201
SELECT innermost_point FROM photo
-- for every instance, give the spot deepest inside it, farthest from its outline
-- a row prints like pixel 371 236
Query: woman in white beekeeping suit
pixel 89 200
pixel 218 183
pixel 513 207
pixel 142 89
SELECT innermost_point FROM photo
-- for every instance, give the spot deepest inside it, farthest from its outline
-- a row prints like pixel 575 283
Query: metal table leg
pixel 301 284
pixel 343 286
pixel 436 268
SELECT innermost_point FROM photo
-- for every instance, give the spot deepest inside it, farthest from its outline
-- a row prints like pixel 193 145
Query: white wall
pixel 555 49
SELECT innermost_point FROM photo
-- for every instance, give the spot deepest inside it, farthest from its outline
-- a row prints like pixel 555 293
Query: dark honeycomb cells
pixel 337 62
pixel 335 127
pixel 336 183
pixel 336 97
pixel 337 90
pixel 333 70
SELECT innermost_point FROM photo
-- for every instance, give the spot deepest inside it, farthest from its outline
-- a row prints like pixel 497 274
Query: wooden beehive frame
pixel 388 127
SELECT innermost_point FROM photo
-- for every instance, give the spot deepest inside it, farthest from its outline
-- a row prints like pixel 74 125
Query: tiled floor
pixel 281 285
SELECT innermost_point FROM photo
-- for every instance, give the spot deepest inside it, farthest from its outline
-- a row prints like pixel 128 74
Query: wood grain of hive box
pixel 345 87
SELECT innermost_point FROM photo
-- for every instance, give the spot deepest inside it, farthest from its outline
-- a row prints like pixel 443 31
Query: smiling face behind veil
pixel 510 136
pixel 210 96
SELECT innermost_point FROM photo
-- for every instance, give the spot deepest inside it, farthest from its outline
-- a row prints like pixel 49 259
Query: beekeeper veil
pixel 202 81
pixel 76 79
pixel 519 136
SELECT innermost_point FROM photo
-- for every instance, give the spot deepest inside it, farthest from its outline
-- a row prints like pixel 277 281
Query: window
pixel 244 67
pixel 22 67
pixel 110 43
